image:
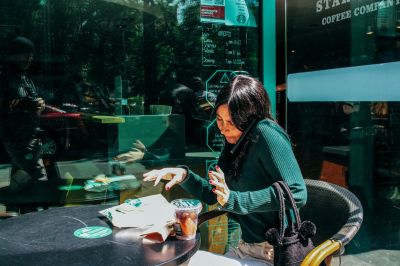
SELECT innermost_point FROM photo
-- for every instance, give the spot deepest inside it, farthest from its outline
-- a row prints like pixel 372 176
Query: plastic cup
pixel 186 213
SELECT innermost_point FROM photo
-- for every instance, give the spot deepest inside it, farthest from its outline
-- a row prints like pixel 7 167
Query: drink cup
pixel 186 213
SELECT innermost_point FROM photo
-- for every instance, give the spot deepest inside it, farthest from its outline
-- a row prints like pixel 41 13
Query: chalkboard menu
pixel 222 46
pixel 226 51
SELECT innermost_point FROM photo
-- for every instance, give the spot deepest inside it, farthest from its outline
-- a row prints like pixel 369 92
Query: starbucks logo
pixel 241 19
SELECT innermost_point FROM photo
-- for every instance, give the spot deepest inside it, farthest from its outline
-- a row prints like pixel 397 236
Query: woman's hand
pixel 136 153
pixel 131 156
pixel 176 175
pixel 217 179
pixel 138 145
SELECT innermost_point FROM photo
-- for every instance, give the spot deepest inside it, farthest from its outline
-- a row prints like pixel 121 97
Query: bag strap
pixel 281 200
pixel 282 190
pixel 289 196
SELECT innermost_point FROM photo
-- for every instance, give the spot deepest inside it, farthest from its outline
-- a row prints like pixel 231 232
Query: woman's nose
pixel 223 129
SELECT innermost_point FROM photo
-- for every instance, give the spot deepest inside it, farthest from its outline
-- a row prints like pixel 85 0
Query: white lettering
pixel 326 4
pixel 337 17
pixel 361 10
pixel 318 6
pixel 223 33
pixel 321 5
pixel 335 3
pixel 370 8
pixel 365 9
pixel 208 61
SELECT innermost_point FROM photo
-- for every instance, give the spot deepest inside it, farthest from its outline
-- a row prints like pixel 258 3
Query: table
pixel 56 194
pixel 47 238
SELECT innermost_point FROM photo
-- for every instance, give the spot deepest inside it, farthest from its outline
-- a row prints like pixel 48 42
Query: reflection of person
pixel 167 146
pixel 20 108
pixel 185 103
pixel 137 153
pixel 257 153
pixel 82 94
pixel 205 99
pixel 70 97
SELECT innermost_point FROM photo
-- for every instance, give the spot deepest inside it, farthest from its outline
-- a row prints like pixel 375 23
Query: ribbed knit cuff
pixel 187 171
pixel 229 204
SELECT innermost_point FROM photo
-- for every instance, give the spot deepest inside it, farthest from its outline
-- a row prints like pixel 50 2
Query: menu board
pixel 222 46
pixel 229 46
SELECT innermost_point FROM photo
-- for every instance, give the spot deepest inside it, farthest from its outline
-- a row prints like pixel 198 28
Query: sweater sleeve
pixel 198 187
pixel 275 154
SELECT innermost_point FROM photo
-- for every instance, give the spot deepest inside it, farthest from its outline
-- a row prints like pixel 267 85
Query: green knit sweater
pixel 252 201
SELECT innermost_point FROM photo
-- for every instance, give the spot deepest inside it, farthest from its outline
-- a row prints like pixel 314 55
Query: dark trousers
pixel 25 155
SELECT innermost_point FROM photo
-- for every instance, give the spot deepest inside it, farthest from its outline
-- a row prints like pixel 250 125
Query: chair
pixel 337 213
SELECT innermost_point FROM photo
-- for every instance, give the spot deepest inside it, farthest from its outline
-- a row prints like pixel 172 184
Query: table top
pixel 49 238
pixel 103 119
pixel 57 194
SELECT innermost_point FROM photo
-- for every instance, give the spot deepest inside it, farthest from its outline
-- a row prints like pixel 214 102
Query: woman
pixel 257 153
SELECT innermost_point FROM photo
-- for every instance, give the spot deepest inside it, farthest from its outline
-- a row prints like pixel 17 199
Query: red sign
pixel 216 12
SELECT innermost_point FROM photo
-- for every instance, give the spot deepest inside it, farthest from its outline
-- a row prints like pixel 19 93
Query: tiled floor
pixel 378 241
pixel 379 257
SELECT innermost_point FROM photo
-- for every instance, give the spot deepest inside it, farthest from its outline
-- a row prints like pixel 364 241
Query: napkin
pixel 158 233
pixel 154 214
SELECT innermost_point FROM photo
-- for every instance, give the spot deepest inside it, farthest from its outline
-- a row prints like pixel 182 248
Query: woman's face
pixel 226 126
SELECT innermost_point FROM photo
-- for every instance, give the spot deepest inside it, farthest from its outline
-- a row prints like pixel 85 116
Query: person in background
pixel 256 154
pixel 205 99
pixel 164 148
pixel 20 108
pixel 185 103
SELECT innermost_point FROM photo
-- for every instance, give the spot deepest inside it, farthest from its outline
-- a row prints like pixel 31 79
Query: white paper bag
pixel 141 212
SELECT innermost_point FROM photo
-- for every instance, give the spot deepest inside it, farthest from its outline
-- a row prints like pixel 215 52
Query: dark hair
pixel 247 101
pixel 21 45
pixel 184 99
pixel 196 83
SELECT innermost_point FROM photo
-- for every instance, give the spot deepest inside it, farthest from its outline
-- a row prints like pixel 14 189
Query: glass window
pixel 343 105
pixel 130 58
pixel 135 78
